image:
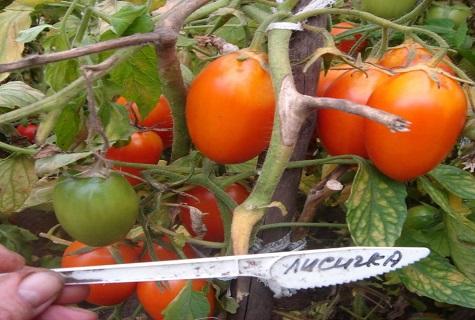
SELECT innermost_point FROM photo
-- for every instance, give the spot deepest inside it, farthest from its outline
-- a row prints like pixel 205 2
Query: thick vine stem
pixel 169 72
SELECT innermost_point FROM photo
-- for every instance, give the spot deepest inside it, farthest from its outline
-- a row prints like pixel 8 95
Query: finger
pixel 57 312
pixel 11 261
pixel 72 294
pixel 40 289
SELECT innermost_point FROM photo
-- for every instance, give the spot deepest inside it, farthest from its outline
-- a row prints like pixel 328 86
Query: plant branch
pixel 129 41
pixel 169 72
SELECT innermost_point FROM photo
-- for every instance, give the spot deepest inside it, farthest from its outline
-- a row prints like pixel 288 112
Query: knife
pixel 292 270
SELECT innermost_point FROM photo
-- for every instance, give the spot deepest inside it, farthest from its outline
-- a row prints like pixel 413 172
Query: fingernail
pixel 39 287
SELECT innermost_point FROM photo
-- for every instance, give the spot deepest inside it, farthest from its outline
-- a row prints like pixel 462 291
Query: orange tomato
pixel 230 108
pixel 144 147
pixel 102 294
pixel 437 112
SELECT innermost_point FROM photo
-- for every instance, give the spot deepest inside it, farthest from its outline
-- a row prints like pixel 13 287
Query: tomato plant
pixel 388 9
pixel 160 119
pixel 96 211
pixel 457 12
pixel 28 131
pixel 230 108
pixel 410 54
pixel 205 201
pixel 437 112
pixel 144 147
pixel 341 132
pixel 78 254
pixel 345 44
pixel 155 298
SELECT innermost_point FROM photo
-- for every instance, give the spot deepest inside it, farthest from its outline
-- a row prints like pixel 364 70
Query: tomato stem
pixel 11 148
pixel 260 36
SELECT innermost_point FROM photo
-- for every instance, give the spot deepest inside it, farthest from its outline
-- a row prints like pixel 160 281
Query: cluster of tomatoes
pixel 153 296
pixel 430 99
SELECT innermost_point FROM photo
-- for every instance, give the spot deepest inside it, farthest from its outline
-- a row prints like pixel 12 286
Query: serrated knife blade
pixel 292 270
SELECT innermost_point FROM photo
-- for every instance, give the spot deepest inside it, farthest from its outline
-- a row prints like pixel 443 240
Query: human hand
pixel 32 293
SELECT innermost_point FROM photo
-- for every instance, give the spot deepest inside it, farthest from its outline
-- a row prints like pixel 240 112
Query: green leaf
pixel 376 208
pixel 139 78
pixel 437 194
pixel 461 240
pixel 116 121
pixel 68 125
pixel 59 74
pixel 29 35
pixel 435 239
pixel 18 94
pixel 188 305
pixel 461 35
pixel 12 21
pixel 458 181
pixel 436 278
pixel 136 18
pixel 17 239
pixel 17 178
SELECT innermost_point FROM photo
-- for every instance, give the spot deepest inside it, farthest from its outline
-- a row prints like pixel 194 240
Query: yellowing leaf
pixel 376 209
pixel 436 278
pixel 12 21
pixel 17 178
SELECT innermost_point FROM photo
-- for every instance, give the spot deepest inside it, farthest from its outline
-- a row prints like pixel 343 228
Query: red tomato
pixel 28 131
pixel 346 45
pixel 206 203
pixel 144 147
pixel 102 294
pixel 164 253
pixel 325 80
pixel 160 118
pixel 341 132
pixel 437 112
pixel 230 108
pixel 410 54
pixel 155 299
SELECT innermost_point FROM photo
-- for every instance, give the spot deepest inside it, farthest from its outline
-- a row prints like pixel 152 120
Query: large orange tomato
pixel 437 111
pixel 230 108
pixel 144 147
pixel 102 294
pixel 341 132
pixel 346 44
pixel 410 54
pixel 160 118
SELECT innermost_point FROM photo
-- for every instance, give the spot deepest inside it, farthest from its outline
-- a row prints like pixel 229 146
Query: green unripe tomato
pixel 422 217
pixel 458 13
pixel 95 211
pixel 388 9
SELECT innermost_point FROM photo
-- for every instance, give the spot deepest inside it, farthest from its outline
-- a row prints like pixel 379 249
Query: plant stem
pixel 11 148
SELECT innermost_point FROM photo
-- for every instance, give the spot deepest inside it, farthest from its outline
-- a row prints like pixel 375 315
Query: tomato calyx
pixel 261 57
pixel 433 72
